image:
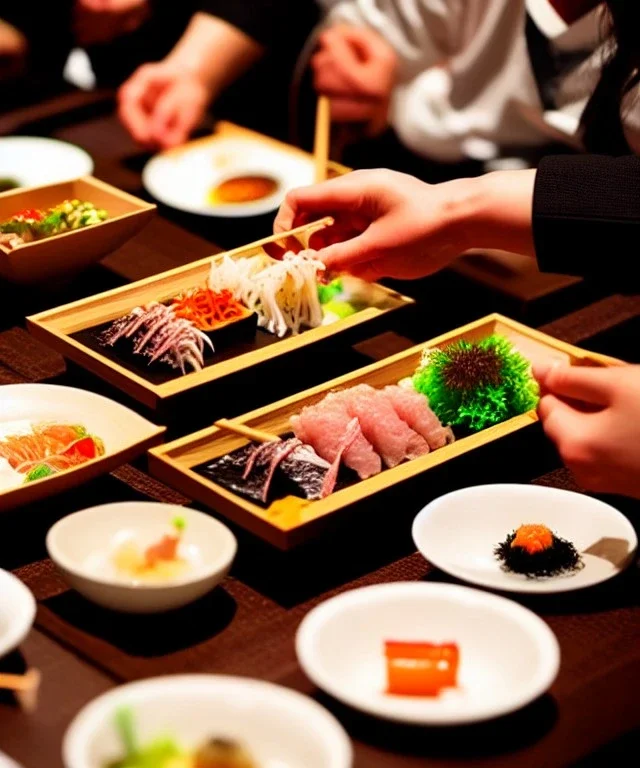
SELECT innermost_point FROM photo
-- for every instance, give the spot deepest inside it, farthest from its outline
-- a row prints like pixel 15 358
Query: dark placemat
pixel 28 358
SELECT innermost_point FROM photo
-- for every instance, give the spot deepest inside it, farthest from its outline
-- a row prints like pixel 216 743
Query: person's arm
pixel 163 102
pixel 585 209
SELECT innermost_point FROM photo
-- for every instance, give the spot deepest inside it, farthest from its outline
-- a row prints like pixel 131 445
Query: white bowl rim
pixel 208 571
pixel 544 637
pixel 52 142
pixel 17 630
pixel 84 723
pixel 540 490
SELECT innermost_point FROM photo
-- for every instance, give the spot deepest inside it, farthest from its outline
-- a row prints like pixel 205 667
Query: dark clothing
pixel 586 215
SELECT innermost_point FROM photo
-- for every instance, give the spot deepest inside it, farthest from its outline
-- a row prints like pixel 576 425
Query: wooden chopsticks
pixel 322 138
pixel 257 435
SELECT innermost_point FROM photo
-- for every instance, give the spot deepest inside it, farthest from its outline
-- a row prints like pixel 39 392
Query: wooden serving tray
pixel 70 251
pixel 65 328
pixel 174 462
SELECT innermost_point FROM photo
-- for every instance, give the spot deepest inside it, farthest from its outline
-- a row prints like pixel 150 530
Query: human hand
pixel 13 51
pixel 101 21
pixel 593 417
pixel 389 224
pixel 356 68
pixel 162 103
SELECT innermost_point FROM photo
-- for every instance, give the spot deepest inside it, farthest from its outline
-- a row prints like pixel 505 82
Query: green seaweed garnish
pixel 38 472
pixel 477 384
pixel 330 291
pixel 155 755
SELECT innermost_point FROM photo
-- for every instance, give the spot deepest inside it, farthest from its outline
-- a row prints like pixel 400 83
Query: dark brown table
pixel 247 626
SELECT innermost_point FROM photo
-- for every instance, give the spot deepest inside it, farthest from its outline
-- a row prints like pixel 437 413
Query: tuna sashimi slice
pixel 413 408
pixel 391 437
pixel 324 425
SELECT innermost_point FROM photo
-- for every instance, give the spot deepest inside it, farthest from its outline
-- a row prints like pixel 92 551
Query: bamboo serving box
pixel 71 251
pixel 57 327
pixel 285 527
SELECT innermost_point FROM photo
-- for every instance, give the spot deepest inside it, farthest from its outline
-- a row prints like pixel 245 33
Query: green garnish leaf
pixel 38 472
pixel 179 523
pixel 126 730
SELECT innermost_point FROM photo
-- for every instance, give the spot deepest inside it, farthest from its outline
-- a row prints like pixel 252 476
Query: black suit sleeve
pixel 266 21
pixel 586 215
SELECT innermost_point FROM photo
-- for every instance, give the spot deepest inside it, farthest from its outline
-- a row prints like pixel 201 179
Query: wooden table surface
pixel 247 626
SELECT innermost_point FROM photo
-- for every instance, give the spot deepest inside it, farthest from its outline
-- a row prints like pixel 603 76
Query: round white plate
pixel 17 612
pixel 34 162
pixel 459 531
pixel 83 546
pixel 184 179
pixel 508 656
pixel 279 727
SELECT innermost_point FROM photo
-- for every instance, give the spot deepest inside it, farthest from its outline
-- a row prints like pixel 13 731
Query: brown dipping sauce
pixel 243 189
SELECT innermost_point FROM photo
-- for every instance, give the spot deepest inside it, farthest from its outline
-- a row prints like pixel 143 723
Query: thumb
pixel 327 198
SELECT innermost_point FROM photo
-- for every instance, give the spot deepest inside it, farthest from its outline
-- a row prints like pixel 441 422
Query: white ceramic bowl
pixel 33 161
pixel 184 178
pixel 508 656
pixel 279 727
pixel 7 762
pixel 459 531
pixel 83 545
pixel 17 612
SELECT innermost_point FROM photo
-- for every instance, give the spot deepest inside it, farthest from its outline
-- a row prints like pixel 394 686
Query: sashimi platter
pixel 281 470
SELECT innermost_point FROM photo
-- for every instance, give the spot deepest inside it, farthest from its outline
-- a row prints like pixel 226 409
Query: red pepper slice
pixel 29 213
pixel 84 448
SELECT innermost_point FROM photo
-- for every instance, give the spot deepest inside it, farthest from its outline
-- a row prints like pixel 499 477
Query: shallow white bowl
pixel 508 656
pixel 124 433
pixel 83 544
pixel 183 178
pixel 17 612
pixel 33 161
pixel 280 728
pixel 459 531
pixel 7 762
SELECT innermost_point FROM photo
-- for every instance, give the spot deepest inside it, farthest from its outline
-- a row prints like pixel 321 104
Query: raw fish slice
pixel 324 425
pixel 413 408
pixel 353 430
pixel 391 437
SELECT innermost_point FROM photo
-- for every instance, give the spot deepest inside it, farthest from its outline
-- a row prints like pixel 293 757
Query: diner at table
pixel 319 384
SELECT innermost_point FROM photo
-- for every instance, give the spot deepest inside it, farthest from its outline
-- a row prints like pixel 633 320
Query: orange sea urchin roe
pixel 533 538
pixel 421 669
pixel 243 189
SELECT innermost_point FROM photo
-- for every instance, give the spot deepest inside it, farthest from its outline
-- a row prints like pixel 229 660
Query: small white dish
pixel 7 762
pixel 184 178
pixel 33 161
pixel 83 546
pixel 17 612
pixel 124 433
pixel 279 727
pixel 508 656
pixel 459 531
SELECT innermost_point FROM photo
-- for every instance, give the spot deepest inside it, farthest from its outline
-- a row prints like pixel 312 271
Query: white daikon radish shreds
pixel 284 294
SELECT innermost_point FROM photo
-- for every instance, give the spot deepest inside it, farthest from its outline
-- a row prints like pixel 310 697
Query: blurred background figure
pixel 165 101
pixel 13 51
pixel 442 88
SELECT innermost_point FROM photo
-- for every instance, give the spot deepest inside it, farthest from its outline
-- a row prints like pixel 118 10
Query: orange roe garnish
pixel 421 669
pixel 208 310
pixel 533 538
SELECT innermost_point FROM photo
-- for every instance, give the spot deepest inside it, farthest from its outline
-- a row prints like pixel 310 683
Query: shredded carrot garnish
pixel 208 310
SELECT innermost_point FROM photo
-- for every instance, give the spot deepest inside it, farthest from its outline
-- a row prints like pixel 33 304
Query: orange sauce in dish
pixel 242 189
